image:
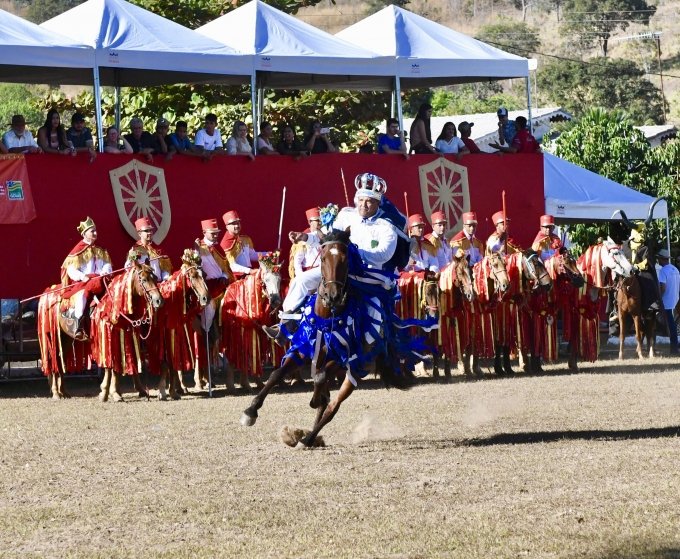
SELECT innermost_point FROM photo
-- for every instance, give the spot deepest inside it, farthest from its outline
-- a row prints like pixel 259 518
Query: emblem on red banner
pixel 140 191
pixel 444 187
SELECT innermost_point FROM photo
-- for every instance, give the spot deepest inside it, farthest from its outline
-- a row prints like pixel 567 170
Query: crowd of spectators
pixel 52 137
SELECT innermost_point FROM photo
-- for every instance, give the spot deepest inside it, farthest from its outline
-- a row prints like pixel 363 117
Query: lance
pixel 283 206
pixel 344 186
pixel 406 204
pixel 505 220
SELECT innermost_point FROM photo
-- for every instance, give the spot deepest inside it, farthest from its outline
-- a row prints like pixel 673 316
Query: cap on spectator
pixel 415 219
pixel 502 112
pixel 162 123
pixel 144 224
pixel 230 217
pixel 438 217
pixel 469 218
pixel 547 220
pixel 210 226
pixel 313 213
pixel 663 253
pixel 465 124
pixel 498 217
pixel 18 120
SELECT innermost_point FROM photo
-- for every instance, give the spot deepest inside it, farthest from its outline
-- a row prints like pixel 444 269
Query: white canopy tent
pixel 134 47
pixel 429 54
pixel 31 54
pixel 574 194
pixel 289 53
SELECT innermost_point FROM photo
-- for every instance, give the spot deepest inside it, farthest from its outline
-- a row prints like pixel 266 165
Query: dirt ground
pixel 557 465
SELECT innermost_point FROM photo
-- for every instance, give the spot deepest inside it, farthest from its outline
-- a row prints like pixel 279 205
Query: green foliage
pixel 42 10
pixel 516 37
pixel 19 99
pixel 473 98
pixel 607 143
pixel 373 6
pixel 608 83
pixel 592 22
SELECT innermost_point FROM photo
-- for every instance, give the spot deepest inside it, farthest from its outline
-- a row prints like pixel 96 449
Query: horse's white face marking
pixel 334 251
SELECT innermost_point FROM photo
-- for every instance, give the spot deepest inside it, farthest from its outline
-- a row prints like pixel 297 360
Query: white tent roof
pixel 431 54
pixel 574 193
pixel 308 57
pixel 136 47
pixel 31 54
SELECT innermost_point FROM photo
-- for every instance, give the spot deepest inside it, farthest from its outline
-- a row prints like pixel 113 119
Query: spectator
pixel 238 143
pixel 79 136
pixel 264 140
pixel 160 137
pixel 52 136
pixel 465 129
pixel 209 137
pixel 420 134
pixel 393 140
pixel 523 142
pixel 18 139
pixel 506 128
pixel 114 143
pixel 318 140
pixel 3 148
pixel 140 140
pixel 290 145
pixel 179 142
pixel 448 142
pixel 669 287
pixel 366 147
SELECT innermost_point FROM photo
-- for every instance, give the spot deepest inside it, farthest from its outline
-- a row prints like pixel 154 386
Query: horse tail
pixel 391 376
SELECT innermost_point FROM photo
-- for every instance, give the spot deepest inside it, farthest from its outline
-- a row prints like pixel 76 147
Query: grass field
pixel 556 465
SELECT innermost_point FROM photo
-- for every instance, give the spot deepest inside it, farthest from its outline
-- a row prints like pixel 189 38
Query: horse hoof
pixel 162 397
pixel 143 394
pixel 103 396
pixel 118 397
pixel 302 446
pixel 247 421
pixel 56 397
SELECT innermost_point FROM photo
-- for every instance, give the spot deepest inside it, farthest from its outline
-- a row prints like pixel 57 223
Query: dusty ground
pixel 558 465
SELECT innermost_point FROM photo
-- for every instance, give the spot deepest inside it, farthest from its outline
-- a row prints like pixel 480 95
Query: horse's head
pixel 334 270
pixel 191 269
pixel 569 267
pixel 144 284
pixel 270 273
pixel 463 275
pixel 499 273
pixel 614 259
pixel 429 299
pixel 534 269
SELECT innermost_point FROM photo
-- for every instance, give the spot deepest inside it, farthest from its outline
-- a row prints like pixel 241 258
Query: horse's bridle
pixel 423 302
pixel 495 273
pixel 342 285
pixel 531 268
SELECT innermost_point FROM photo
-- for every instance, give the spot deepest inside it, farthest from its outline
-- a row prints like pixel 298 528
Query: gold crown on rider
pixel 85 225
pixel 370 186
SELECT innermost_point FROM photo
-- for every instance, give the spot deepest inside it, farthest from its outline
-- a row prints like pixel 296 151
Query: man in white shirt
pixel 374 236
pixel 18 139
pixel 423 254
pixel 215 268
pixel 669 286
pixel 239 249
pixel 209 138
pixel 305 256
pixel 438 241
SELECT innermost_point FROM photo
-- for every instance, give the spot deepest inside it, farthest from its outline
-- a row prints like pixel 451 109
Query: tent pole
pixel 668 234
pixel 98 108
pixel 253 106
pixel 527 82
pixel 397 93
pixel 117 95
pixel 393 105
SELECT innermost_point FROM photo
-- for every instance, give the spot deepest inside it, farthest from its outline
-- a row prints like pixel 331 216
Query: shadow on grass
pixel 587 435
pixel 663 553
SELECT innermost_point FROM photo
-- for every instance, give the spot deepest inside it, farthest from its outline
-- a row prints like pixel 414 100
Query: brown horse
pixel 123 316
pixel 330 303
pixel 185 294
pixel 628 302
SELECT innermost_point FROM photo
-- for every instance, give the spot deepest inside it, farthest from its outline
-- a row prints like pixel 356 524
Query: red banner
pixel 16 201
pixel 177 194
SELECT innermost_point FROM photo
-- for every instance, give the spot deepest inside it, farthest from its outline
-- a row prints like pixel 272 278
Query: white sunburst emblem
pixel 140 191
pixel 444 187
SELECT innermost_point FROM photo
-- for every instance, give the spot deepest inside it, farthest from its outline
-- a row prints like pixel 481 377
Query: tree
pixel 607 143
pixel 373 6
pixel 42 10
pixel 515 37
pixel 609 83
pixel 593 21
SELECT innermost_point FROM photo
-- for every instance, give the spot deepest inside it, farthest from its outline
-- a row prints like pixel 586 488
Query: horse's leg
pixel 142 391
pixel 175 383
pixel 622 330
pixel 637 320
pixel 105 386
pixel 249 415
pixel 328 414
pixel 650 332
pixel 115 386
pixel 52 380
pixel 60 386
pixel 163 382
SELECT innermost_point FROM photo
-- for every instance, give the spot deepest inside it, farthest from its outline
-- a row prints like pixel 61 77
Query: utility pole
pixel 654 36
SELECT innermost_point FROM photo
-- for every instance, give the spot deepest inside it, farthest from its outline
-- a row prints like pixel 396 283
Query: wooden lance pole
pixel 283 207
pixel 344 186
pixel 505 220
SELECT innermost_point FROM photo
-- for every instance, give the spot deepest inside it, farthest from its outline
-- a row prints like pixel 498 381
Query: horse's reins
pixel 325 283
pixel 147 315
